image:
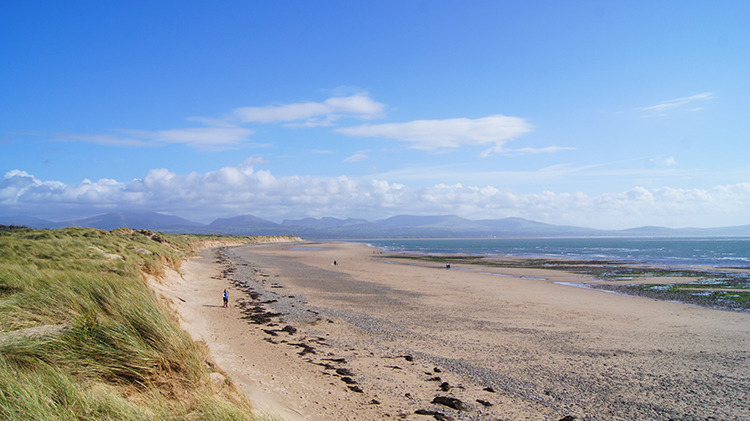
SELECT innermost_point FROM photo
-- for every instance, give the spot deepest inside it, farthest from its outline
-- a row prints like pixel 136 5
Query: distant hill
pixel 411 221
pixel 400 226
pixel 138 220
pixel 533 228
pixel 326 222
pixel 437 226
pixel 26 221
pixel 736 231
pixel 243 225
pixel 241 221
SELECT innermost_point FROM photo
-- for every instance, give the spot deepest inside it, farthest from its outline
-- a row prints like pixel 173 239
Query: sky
pixel 606 115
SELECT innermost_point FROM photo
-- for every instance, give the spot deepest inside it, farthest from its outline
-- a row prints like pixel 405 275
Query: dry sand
pixel 370 340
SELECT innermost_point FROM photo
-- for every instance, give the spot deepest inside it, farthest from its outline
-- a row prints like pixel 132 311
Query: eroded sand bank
pixel 405 334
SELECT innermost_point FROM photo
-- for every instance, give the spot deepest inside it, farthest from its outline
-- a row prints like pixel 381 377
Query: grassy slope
pixel 83 337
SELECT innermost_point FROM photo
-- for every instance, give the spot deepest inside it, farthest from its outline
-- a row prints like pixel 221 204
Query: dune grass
pixel 83 337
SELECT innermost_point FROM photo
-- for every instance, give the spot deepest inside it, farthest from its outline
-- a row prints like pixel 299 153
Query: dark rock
pixel 289 329
pixel 375 402
pixel 433 379
pixel 348 380
pixel 437 415
pixel 344 372
pixel 449 402
pixel 489 389
pixel 271 332
pixel 444 386
pixel 327 366
pixel 485 403
pixel 408 358
pixel 306 349
pixel 336 360
pixel 437 370
pixel 355 389
pixel 568 418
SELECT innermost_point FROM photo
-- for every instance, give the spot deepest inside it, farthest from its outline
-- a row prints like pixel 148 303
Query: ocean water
pixel 672 252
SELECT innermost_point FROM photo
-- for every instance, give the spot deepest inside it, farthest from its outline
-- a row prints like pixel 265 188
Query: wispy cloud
pixel 468 174
pixel 548 149
pixel 226 132
pixel 662 107
pixel 449 133
pixel 357 156
pixel 209 138
pixel 313 114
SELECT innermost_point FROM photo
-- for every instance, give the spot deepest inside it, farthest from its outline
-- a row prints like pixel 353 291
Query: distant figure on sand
pixel 334 263
pixel 447 265
pixel 226 299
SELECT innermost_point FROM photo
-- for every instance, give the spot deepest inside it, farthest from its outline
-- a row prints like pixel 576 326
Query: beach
pixel 371 338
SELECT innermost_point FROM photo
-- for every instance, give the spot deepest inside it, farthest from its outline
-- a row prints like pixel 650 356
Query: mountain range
pixel 400 226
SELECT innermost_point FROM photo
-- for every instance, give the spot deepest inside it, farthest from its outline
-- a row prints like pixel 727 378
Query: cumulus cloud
pixel 449 133
pixel 311 114
pixel 242 189
pixel 660 108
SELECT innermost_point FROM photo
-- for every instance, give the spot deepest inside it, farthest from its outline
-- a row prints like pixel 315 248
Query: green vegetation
pixel 728 290
pixel 10 228
pixel 701 290
pixel 736 300
pixel 83 337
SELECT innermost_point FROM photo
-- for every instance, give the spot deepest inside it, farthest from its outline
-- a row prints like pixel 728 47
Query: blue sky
pixel 599 114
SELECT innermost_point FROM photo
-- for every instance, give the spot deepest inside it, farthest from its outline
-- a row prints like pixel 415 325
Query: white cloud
pixel 357 157
pixel 450 133
pixel 310 114
pixel 204 137
pixel 200 138
pixel 225 133
pixel 660 108
pixel 239 190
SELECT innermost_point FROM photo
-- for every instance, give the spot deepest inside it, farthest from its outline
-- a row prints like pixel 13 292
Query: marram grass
pixel 82 337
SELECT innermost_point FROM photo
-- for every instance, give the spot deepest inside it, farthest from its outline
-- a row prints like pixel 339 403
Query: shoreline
pixel 674 252
pixel 536 344
pixel 729 289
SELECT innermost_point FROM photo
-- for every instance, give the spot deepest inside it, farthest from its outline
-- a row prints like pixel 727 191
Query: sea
pixel 722 252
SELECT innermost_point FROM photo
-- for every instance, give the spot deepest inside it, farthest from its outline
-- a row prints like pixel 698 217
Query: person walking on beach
pixel 226 299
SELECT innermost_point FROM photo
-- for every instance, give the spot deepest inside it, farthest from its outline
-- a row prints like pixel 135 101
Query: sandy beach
pixel 369 339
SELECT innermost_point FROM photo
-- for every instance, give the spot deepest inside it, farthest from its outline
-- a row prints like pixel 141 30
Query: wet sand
pixel 371 340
